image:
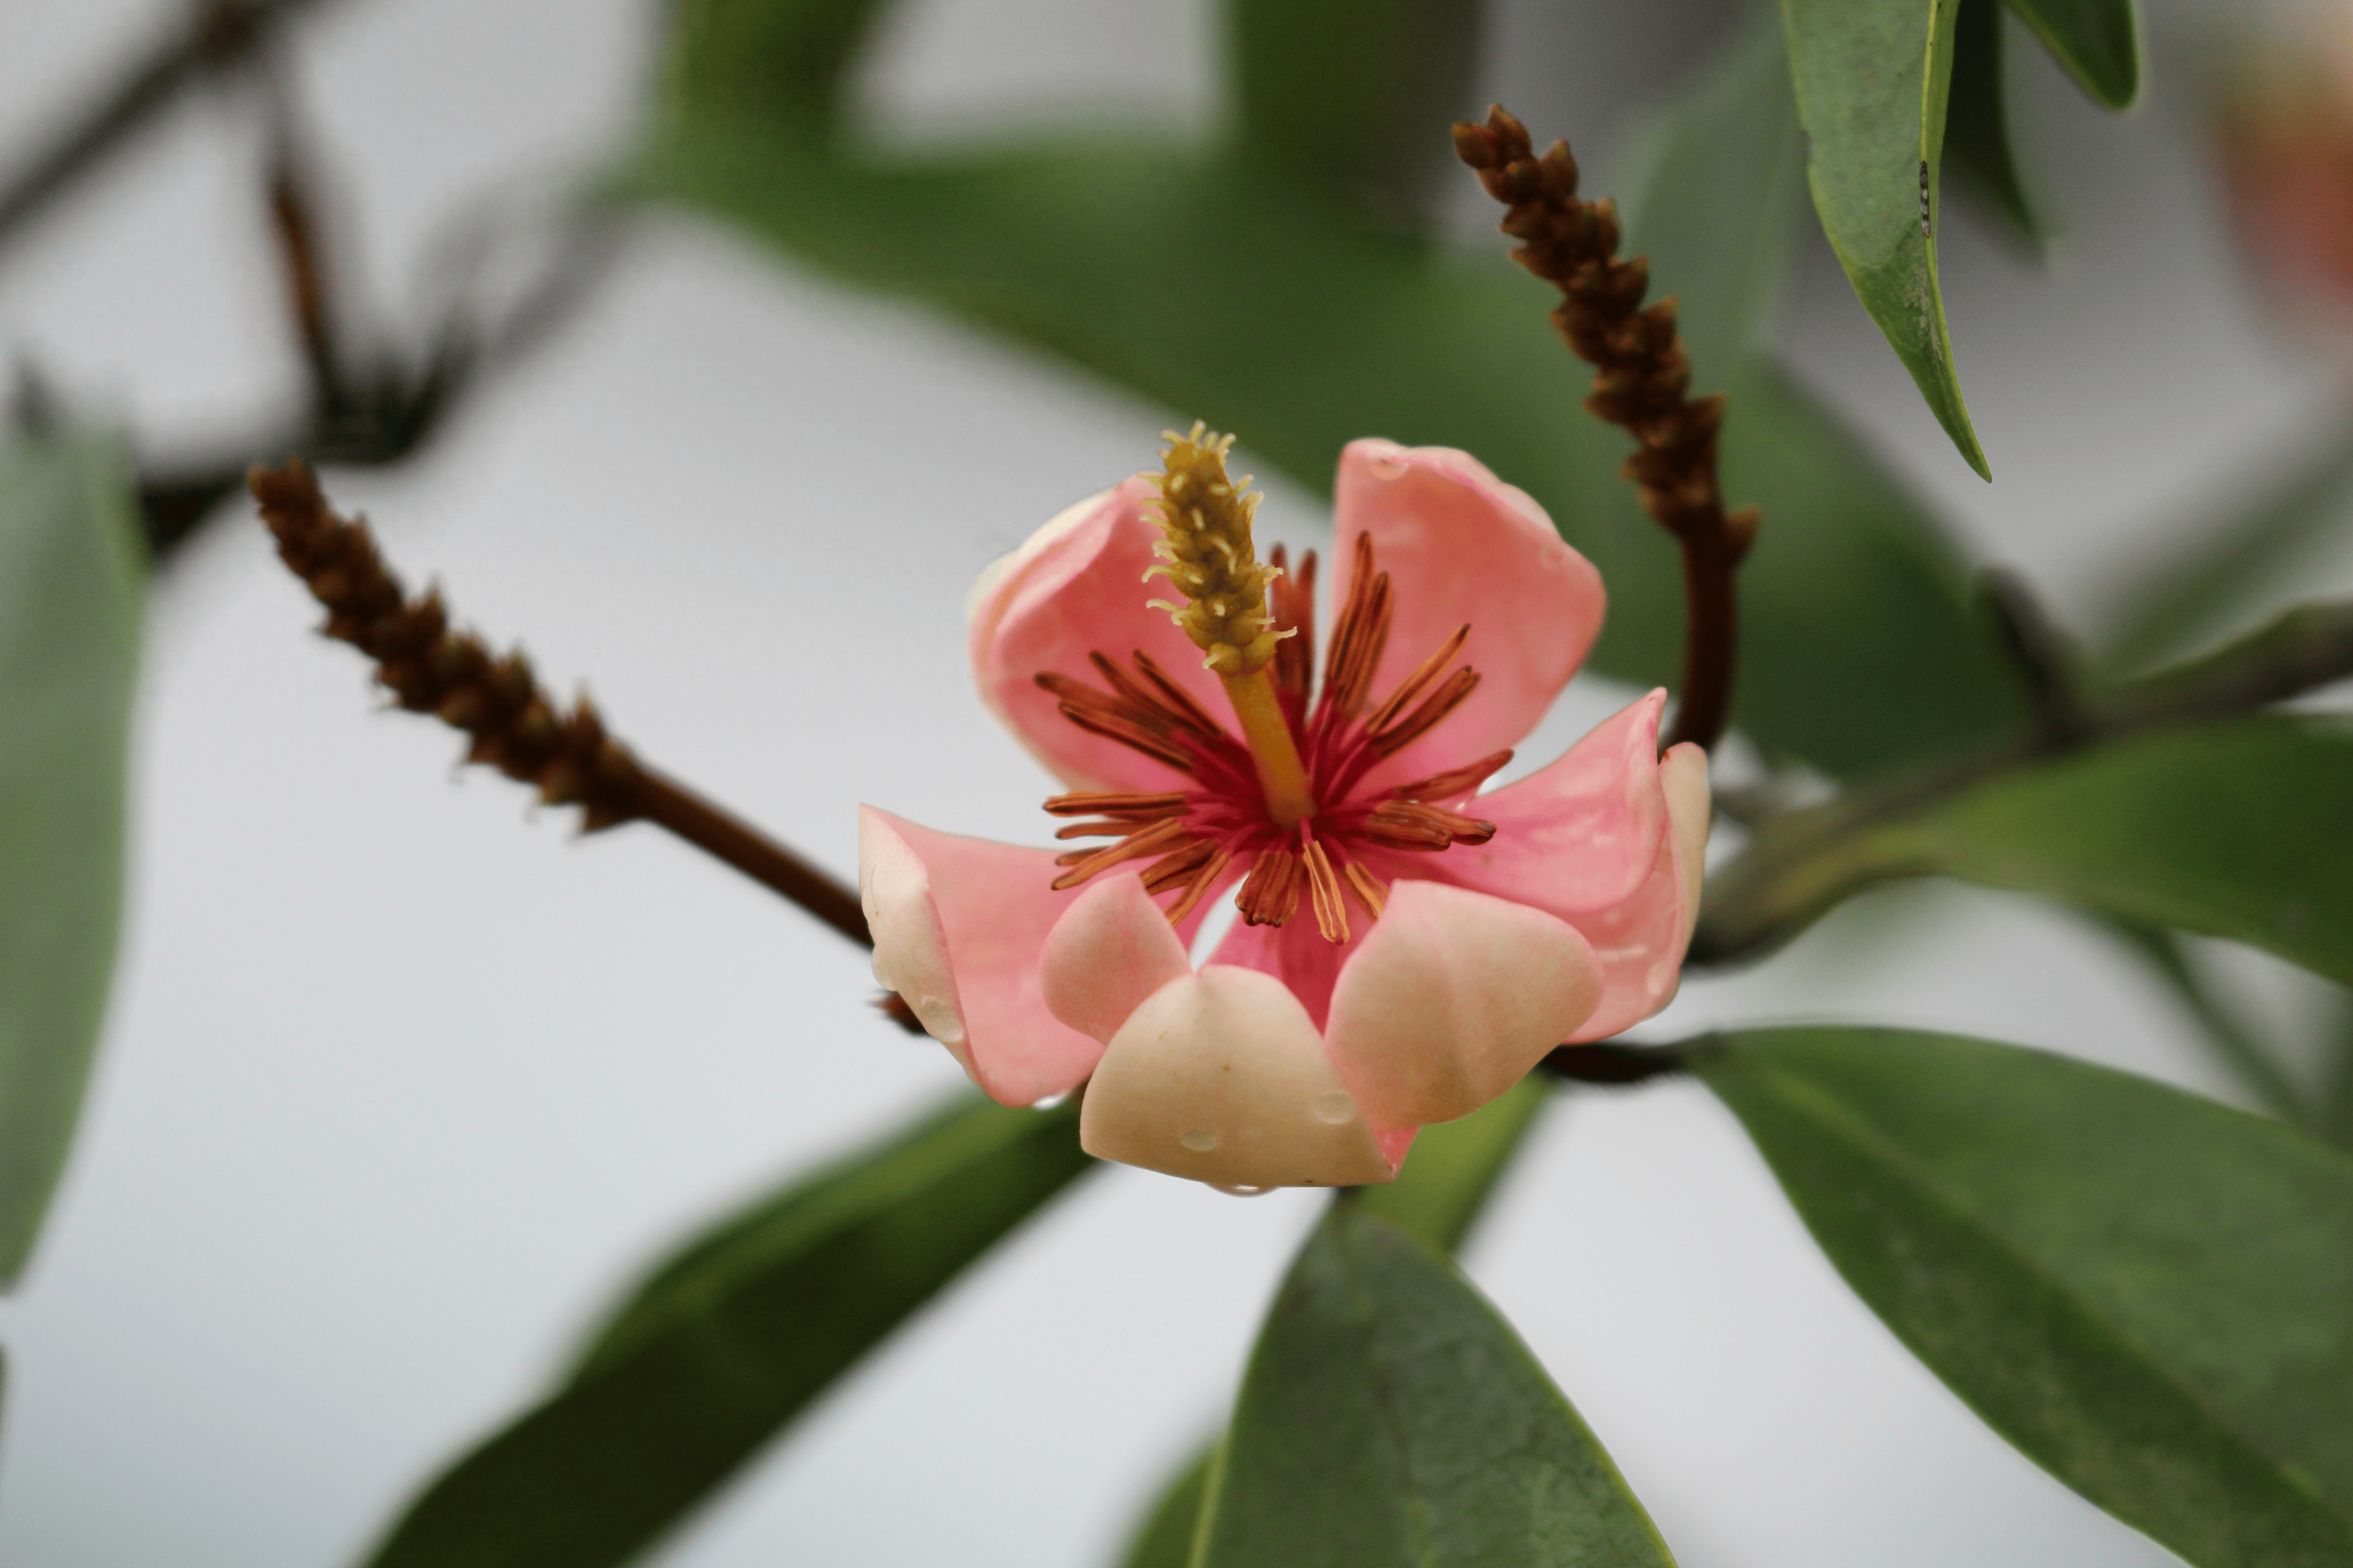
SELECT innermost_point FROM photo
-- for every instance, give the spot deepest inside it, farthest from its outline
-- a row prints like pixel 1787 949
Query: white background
pixel 401 1083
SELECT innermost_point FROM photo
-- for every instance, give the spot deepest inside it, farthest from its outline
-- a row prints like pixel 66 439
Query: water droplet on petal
pixel 938 1017
pixel 1242 1192
pixel 1335 1108
pixel 1200 1139
pixel 881 975
pixel 1050 1101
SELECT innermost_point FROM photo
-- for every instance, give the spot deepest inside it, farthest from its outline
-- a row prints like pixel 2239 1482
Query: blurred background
pixel 399 1083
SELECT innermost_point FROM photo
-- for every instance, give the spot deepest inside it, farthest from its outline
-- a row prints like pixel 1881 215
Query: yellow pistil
pixel 1207 554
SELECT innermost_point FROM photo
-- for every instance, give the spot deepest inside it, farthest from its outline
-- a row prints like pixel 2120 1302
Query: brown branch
pixel 298 224
pixel 515 726
pixel 1607 1062
pixel 1641 383
pixel 221 34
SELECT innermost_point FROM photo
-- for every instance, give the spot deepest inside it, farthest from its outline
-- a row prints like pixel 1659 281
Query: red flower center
pixel 1194 835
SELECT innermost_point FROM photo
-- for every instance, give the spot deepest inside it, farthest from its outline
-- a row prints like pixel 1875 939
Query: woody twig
pixel 1641 383
pixel 514 725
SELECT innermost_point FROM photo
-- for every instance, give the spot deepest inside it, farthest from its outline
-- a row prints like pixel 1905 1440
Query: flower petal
pixel 1296 954
pixel 1077 587
pixel 1580 834
pixel 1452 997
pixel 958 926
pixel 1220 1077
pixel 1111 948
pixel 1640 941
pixel 1464 547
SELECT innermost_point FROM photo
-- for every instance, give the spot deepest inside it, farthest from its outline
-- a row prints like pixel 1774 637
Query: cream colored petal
pixel 1682 775
pixel 1453 996
pixel 1220 1077
pixel 910 950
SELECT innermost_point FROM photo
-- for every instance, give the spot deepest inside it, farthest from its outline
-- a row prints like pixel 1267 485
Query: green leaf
pixel 2232 1042
pixel 782 62
pixel 1453 1171
pixel 1455 1166
pixel 1715 199
pixel 2097 42
pixel 731 1340
pixel 1976 125
pixel 1389 1415
pixel 1353 97
pixel 2191 593
pixel 1222 295
pixel 1164 1540
pixel 2145 1291
pixel 2233 829
pixel 72 593
pixel 1871 77
pixel 2236 830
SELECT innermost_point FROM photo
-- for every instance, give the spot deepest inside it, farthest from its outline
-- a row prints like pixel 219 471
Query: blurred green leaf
pixel 2246 1056
pixel 785 63
pixel 725 1344
pixel 2097 42
pixel 1871 79
pixel 72 593
pixel 2233 829
pixel 1220 294
pixel 1976 125
pixel 1353 97
pixel 1164 1540
pixel 1715 199
pixel 1390 1416
pixel 2145 1291
pixel 2237 830
pixel 2189 594
pixel 1455 1166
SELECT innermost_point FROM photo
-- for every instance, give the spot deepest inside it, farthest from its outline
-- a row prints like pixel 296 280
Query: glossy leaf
pixel 1453 1171
pixel 2097 42
pixel 721 1347
pixel 2144 1291
pixel 1389 1415
pixel 782 62
pixel 2236 830
pixel 1124 259
pixel 1717 201
pixel 1976 124
pixel 1871 79
pixel 1165 1538
pixel 72 593
pixel 1353 97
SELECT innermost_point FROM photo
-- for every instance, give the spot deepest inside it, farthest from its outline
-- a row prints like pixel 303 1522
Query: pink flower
pixel 1408 949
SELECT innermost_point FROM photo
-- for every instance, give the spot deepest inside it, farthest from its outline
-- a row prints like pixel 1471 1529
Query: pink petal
pixel 1579 836
pixel 1296 954
pixel 1462 547
pixel 958 926
pixel 1452 999
pixel 1111 948
pixel 1221 1078
pixel 1077 587
pixel 1640 941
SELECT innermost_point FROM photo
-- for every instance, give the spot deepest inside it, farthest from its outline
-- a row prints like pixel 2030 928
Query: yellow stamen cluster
pixel 1205 553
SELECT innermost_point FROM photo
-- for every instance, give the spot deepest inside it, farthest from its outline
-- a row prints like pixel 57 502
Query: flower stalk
pixel 1641 383
pixel 514 725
